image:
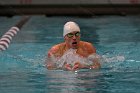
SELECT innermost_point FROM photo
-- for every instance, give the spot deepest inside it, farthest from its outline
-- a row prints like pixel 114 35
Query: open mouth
pixel 74 43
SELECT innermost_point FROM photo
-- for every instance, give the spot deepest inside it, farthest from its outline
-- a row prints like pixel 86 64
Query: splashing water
pixel 71 57
pixel 118 58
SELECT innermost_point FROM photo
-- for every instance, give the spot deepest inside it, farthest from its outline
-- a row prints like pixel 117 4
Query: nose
pixel 74 37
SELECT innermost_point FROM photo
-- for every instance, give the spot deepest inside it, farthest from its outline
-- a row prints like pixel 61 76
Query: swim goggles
pixel 70 35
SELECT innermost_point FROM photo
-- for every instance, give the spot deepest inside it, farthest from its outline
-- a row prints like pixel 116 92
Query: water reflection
pixel 73 82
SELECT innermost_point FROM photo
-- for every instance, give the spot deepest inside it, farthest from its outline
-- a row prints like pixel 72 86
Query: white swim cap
pixel 70 27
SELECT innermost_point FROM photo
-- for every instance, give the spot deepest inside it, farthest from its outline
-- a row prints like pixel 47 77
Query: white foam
pixel 71 57
pixel 113 59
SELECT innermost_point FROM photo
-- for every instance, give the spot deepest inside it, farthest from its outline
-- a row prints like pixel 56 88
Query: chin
pixel 74 46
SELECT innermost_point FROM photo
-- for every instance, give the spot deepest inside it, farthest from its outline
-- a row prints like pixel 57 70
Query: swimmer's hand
pixel 76 66
pixel 96 65
pixel 67 67
pixel 50 67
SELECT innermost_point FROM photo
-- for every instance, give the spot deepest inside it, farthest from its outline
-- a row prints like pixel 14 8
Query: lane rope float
pixel 7 37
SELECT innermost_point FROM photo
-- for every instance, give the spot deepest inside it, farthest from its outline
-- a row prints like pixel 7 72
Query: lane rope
pixel 7 37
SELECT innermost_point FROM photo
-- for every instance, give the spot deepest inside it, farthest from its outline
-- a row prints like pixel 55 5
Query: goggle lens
pixel 70 35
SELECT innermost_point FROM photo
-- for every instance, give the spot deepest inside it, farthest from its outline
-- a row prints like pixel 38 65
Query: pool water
pixel 116 38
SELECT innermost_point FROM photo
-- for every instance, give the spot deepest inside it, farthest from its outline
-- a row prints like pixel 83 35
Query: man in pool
pixel 72 54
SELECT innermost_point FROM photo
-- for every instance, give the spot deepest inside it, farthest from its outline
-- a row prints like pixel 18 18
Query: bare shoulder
pixel 88 46
pixel 55 48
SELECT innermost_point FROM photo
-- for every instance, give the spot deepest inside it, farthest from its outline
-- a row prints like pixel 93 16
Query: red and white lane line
pixel 7 37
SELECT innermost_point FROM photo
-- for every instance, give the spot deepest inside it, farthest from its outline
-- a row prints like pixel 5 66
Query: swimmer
pixel 83 50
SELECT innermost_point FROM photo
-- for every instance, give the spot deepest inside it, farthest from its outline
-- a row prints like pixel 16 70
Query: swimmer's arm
pixel 50 67
pixel 50 64
pixel 96 60
pixel 78 65
pixel 67 67
pixel 96 64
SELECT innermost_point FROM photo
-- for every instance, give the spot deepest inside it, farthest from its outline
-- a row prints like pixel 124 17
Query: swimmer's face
pixel 72 39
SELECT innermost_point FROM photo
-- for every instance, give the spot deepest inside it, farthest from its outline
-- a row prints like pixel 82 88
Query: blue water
pixel 22 64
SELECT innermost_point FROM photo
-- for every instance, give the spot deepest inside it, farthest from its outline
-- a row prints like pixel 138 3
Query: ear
pixel 65 38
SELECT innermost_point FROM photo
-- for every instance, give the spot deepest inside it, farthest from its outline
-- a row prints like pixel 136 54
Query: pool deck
pixel 70 10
